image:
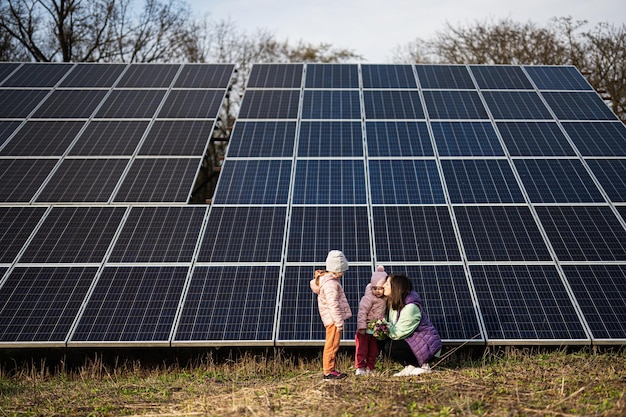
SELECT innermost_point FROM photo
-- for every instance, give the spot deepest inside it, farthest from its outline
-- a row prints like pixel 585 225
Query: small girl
pixel 371 308
pixel 333 307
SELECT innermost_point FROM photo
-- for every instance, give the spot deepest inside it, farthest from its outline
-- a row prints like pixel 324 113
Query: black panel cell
pixel 601 294
pixel 16 225
pixel 328 181
pixel 38 75
pixel 512 105
pixel 481 181
pixel 95 76
pixel 525 303
pixel 330 139
pixel 148 76
pixel 584 233
pixel 405 182
pixel 314 231
pixel 158 234
pixel 557 181
pixel 21 178
pixel 230 303
pixel 262 139
pixel 398 139
pixel 388 76
pixel 466 139
pixel 275 76
pixel 299 316
pixel 578 106
pixel 191 104
pixel 19 103
pixel 43 139
pixel 74 235
pixel 243 234
pixel 109 138
pixel 453 77
pixel 500 233
pixel 414 233
pixel 331 104
pixel 557 78
pixel 611 173
pixel 6 68
pixel 40 304
pixel 332 76
pixel 131 104
pixel 454 105
pixel 135 304
pixel 66 104
pixel 261 104
pixel 391 104
pixel 6 130
pixel 177 138
pixel 534 139
pixel 159 180
pixel 598 138
pixel 500 77
pixel 83 181
pixel 254 182
pixel 204 76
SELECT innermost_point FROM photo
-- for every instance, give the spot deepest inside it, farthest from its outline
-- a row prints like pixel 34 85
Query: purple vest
pixel 424 341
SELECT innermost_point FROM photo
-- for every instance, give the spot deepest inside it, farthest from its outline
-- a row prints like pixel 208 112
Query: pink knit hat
pixel 378 275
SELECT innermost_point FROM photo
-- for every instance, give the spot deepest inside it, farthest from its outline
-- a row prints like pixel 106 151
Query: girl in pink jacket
pixel 333 307
pixel 371 308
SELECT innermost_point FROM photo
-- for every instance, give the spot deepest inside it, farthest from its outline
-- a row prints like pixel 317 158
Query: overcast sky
pixel 373 28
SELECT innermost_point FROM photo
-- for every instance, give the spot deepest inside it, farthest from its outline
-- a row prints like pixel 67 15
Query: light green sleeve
pixel 410 317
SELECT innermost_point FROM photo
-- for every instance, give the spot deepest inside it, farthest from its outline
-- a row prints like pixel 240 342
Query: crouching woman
pixel 413 340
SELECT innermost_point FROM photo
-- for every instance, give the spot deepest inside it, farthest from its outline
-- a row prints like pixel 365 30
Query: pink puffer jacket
pixel 371 308
pixel 331 300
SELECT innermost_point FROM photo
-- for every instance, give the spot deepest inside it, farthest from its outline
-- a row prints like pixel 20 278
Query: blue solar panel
pixel 37 74
pixel 454 77
pixel 130 104
pixel 132 304
pixel 262 139
pixel 190 104
pixel 254 182
pixel 19 103
pixel 275 76
pixel 313 230
pixel 332 76
pixel 454 105
pixel 584 233
pixel 16 225
pixel 243 234
pixel 330 139
pixel 180 137
pixel 42 138
pixel 65 104
pixel 598 138
pixel 534 139
pixel 600 291
pixel 235 303
pixel 500 233
pixel 331 104
pixel 204 76
pixel 501 77
pixel 270 104
pixel 557 181
pixel 557 78
pixel 405 182
pixel 148 76
pixel 611 173
pixel 39 304
pixel 391 104
pixel 481 181
pixel 388 76
pixel 398 139
pixel 514 105
pixel 520 302
pixel 578 106
pixel 6 68
pixel 326 181
pixel 414 234
pixel 466 139
pixel 93 76
pixel 106 138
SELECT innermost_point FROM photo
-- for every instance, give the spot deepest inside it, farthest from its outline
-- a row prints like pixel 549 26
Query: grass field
pixel 503 382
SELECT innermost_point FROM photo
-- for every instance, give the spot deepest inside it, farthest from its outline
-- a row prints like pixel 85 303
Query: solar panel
pixel 578 106
pixel 388 76
pixel 37 74
pixel 333 104
pixel 598 138
pixel 612 176
pixel 177 137
pixel 392 104
pixel 534 139
pixel 511 105
pixel 270 104
pixel 38 138
pixel 148 76
pixel 262 139
pixel 21 178
pixel 6 68
pixel 108 138
pixel 448 105
pixel 192 104
pixel 332 76
pixel 66 104
pixel 466 139
pixel 330 139
pixel 398 139
pixel 405 182
pixel 329 182
pixel 275 76
pixel 557 78
pixel 445 77
pixel 500 77
pixel 481 181
pixel 130 104
pixel 19 103
pixel 94 76
pixel 204 76
pixel 16 225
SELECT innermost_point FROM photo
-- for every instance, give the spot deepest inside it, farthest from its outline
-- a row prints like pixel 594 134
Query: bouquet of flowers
pixel 378 328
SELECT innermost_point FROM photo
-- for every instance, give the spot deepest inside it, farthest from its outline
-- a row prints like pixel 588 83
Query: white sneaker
pixel 424 369
pixel 406 371
pixel 361 371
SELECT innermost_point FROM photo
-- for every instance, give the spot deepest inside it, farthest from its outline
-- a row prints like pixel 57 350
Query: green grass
pixel 509 382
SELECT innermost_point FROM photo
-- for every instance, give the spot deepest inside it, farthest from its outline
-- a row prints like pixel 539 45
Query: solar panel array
pixel 498 189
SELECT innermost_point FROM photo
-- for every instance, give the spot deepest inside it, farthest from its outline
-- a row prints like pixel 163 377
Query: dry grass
pixel 511 382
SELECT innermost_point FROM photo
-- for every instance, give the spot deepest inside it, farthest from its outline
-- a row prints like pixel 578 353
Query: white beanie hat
pixel 336 261
pixel 378 275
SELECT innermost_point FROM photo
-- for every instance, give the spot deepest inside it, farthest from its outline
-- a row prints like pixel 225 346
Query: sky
pixel 373 29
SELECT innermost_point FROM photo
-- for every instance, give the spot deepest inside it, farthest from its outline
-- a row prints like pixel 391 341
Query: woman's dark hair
pixel 400 287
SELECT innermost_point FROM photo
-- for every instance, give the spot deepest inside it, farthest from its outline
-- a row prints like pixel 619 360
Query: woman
pixel 413 340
